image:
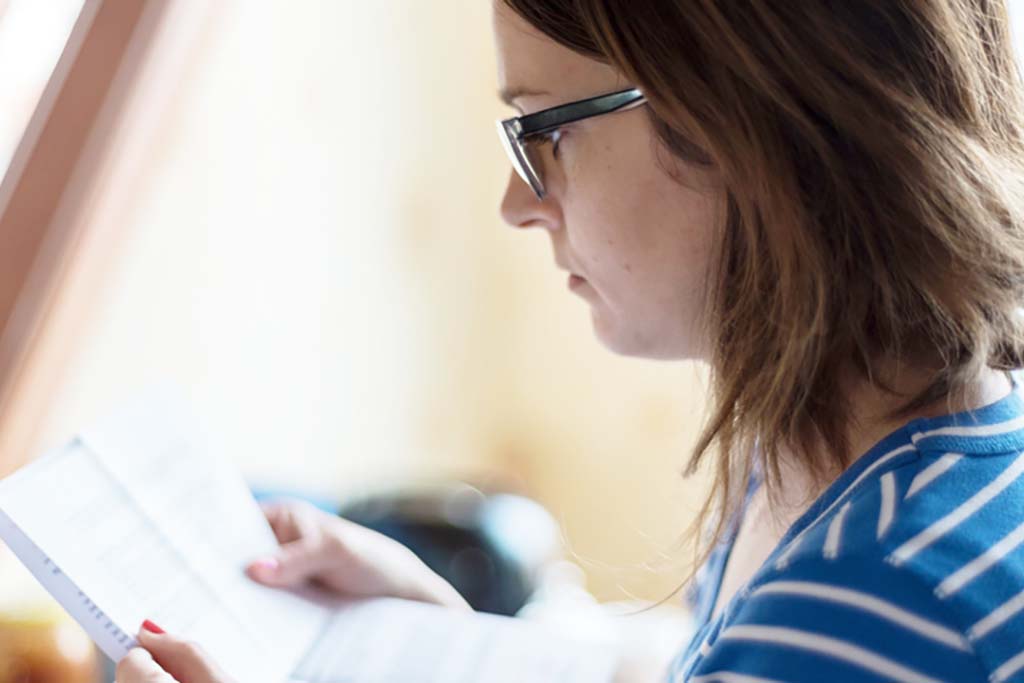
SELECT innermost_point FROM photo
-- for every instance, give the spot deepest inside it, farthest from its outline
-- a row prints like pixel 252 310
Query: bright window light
pixel 32 37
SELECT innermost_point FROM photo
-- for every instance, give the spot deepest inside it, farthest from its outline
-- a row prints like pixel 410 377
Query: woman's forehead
pixel 531 64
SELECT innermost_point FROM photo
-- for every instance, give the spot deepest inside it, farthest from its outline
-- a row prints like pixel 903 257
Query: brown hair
pixel 872 157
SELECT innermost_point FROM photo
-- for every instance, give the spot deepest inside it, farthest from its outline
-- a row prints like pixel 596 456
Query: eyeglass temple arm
pixel 550 119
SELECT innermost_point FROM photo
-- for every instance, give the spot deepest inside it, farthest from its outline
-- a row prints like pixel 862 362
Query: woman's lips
pixel 576 281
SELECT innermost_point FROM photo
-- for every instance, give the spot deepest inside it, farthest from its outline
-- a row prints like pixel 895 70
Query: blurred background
pixel 290 211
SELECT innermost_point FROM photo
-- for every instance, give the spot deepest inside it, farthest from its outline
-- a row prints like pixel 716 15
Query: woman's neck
pixel 869 407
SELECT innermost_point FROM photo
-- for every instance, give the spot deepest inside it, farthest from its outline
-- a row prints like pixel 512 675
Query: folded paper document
pixel 134 519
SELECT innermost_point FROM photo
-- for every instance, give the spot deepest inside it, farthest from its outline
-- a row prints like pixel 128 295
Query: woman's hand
pixel 163 658
pixel 346 558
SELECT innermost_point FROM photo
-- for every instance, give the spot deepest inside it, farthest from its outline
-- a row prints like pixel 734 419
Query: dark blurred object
pixel 45 647
pixel 490 547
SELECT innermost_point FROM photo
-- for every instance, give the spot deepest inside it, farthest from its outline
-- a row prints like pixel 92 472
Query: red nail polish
pixel 151 627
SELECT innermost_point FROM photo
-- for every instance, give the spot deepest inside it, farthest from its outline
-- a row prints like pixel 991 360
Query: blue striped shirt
pixel 910 567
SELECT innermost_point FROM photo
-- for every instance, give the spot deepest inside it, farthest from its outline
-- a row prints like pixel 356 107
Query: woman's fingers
pixel 293 564
pixel 297 526
pixel 138 667
pixel 185 661
pixel 285 519
pixel 277 516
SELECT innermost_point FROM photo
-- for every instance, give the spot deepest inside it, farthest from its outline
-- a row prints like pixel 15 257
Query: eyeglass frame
pixel 515 132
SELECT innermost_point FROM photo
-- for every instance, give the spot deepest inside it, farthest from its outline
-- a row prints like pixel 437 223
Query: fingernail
pixel 267 564
pixel 151 627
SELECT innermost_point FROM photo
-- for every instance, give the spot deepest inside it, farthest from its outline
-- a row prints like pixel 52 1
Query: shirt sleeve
pixel 842 621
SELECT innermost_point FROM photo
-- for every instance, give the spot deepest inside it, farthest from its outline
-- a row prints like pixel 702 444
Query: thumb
pixel 294 563
pixel 183 660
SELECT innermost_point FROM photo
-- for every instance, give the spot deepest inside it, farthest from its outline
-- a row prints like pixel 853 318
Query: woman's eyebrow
pixel 508 95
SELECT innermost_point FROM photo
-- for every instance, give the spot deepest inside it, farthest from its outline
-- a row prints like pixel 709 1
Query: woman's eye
pixel 554 137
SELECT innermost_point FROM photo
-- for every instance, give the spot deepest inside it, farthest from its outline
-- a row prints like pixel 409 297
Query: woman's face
pixel 637 240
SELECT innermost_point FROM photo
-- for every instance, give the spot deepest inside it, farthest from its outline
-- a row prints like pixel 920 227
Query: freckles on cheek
pixel 611 249
pixel 625 265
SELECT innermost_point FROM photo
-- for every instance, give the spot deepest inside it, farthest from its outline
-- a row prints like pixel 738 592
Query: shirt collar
pixel 995 428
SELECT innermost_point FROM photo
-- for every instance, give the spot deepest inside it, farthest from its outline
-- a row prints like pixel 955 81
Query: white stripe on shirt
pixel 977 430
pixel 730 677
pixel 938 529
pixel 828 647
pixel 887 506
pixel 975 567
pixel 835 534
pixel 869 603
pixel 792 546
pixel 996 617
pixel 1008 668
pixel 932 472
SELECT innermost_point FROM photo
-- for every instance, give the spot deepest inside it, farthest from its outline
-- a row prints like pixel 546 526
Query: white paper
pixel 111 639
pixel 395 641
pixel 133 520
pixel 98 537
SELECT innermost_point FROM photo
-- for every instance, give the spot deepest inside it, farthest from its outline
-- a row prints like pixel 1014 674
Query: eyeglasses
pixel 520 134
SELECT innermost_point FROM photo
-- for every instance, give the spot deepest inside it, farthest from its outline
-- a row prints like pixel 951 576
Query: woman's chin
pixel 625 341
pixel 614 337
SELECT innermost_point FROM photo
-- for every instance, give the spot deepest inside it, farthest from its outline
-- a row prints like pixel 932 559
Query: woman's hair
pixel 872 160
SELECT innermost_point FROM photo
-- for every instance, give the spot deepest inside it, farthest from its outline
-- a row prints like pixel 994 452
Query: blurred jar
pixel 43 645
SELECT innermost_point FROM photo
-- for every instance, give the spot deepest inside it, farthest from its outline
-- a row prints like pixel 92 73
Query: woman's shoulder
pixel 911 570
pixel 910 567
pixel 943 503
pixel 916 575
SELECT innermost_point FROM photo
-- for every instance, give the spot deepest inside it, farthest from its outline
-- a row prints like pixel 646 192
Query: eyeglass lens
pixel 525 159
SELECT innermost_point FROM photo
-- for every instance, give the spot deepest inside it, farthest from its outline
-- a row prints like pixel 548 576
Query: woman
pixel 824 202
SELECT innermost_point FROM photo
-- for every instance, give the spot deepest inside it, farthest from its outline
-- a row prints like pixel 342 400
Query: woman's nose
pixel 520 207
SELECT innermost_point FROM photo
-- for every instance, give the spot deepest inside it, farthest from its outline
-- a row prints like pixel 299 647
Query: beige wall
pixel 313 251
